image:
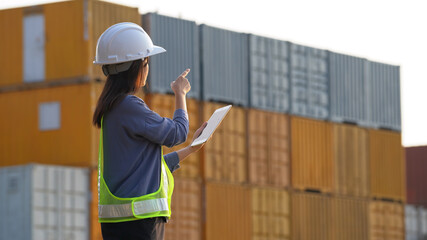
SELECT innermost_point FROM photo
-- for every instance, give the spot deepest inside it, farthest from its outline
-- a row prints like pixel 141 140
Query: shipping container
pixel 348 93
pixel 186 218
pixel 309 82
pixel 270 214
pixel 56 41
pixel 228 212
pixel 350 218
pixel 384 96
pixel 269 74
pixel 164 105
pixel 386 221
pixel 311 155
pixel 351 165
pixel 180 38
pixel 311 216
pixel 95 226
pixel 224 65
pixel 416 177
pixel 225 155
pixel 412 222
pixel 268 148
pixel 50 126
pixel 44 202
pixel 387 165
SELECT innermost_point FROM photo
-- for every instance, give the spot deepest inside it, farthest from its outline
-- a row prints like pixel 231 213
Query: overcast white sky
pixel 389 31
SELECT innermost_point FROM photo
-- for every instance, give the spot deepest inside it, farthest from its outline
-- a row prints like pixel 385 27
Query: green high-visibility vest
pixel 116 209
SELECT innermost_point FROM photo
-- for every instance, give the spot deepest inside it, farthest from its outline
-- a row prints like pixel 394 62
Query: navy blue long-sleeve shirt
pixel 133 136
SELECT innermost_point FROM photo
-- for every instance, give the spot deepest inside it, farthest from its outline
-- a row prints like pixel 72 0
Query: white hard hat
pixel 124 42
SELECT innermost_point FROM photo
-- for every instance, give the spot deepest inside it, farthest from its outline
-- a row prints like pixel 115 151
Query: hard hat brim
pixel 156 50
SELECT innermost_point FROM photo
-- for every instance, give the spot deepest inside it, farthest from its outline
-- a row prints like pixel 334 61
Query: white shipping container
pixel 44 202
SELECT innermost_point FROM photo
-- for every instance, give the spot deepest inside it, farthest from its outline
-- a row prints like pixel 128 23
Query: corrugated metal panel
pixel 186 219
pixel 412 223
pixel 11 55
pixel 309 82
pixel 268 148
pixel 350 146
pixel 164 105
pixel 44 202
pixel 95 226
pixel 228 212
pixel 384 96
pixel 180 38
pixel 387 165
pixel 225 155
pixel 348 89
pixel 270 214
pixel 416 177
pixel 423 221
pixel 312 162
pixel 21 140
pixel 386 221
pixel 102 16
pixel 224 60
pixel 311 217
pixel 269 74
pixel 350 218
pixel 66 49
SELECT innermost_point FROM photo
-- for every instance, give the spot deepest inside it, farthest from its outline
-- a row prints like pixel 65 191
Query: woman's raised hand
pixel 181 85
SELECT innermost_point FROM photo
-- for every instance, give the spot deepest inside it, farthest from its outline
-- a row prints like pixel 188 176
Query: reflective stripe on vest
pixel 115 209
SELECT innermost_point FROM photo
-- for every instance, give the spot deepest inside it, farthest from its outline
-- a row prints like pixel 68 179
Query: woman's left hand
pixel 196 135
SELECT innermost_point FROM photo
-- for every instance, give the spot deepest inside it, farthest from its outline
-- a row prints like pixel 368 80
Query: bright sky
pixel 389 31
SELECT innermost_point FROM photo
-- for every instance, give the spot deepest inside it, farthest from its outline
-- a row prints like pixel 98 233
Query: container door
pixel 34 48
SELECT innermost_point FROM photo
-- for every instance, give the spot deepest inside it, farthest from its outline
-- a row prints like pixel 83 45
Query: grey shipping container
pixel 44 202
pixel 309 82
pixel 268 74
pixel 224 61
pixel 348 90
pixel 384 96
pixel 180 38
pixel 415 222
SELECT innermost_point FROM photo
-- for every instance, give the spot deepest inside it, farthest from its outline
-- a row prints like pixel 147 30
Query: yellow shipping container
pixel 268 148
pixel 64 38
pixel 270 214
pixel 311 216
pixel 164 105
pixel 386 221
pixel 387 165
pixel 228 211
pixel 312 162
pixel 350 144
pixel 350 218
pixel 225 155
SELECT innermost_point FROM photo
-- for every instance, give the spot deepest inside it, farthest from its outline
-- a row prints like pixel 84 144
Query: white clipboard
pixel 213 123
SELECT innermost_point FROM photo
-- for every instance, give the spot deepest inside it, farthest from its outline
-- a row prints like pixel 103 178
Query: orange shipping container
pixel 386 221
pixel 164 105
pixel 95 226
pixel 351 160
pixel 228 212
pixel 225 155
pixel 186 219
pixel 312 163
pixel 63 36
pixel 270 214
pixel 311 216
pixel 268 148
pixel 387 165
pixel 350 218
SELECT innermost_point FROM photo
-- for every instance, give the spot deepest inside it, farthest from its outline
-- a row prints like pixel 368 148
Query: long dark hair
pixel 116 88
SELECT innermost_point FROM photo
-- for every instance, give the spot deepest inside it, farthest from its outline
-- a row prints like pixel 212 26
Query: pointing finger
pixel 185 72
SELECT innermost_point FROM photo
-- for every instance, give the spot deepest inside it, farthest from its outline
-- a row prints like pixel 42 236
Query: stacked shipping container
pixel 258 165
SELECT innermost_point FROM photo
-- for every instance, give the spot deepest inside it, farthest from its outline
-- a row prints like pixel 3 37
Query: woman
pixel 135 183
